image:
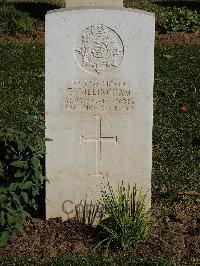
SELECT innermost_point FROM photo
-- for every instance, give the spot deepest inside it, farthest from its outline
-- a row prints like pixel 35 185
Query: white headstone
pixel 99 103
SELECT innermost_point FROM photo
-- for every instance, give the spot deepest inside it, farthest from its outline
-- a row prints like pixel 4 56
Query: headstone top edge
pixel 139 11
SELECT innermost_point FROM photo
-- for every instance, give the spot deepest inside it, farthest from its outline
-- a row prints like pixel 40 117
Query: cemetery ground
pixel 175 239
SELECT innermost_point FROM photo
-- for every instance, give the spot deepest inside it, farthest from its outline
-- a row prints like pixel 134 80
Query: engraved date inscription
pixel 104 96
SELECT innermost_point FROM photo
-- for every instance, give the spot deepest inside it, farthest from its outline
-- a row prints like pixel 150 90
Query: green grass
pixel 176 135
pixel 172 18
pixel 21 83
pixel 52 2
pixel 168 19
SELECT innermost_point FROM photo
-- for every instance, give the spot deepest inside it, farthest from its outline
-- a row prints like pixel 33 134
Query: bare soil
pixel 178 38
pixel 176 236
pixel 39 35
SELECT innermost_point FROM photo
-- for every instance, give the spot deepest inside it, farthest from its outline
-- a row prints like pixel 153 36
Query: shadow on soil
pixel 193 5
pixel 36 10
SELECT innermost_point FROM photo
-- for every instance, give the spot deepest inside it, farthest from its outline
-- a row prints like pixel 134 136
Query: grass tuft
pixel 127 220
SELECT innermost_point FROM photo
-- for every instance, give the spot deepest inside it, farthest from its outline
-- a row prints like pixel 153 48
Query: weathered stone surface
pixel 90 3
pixel 99 104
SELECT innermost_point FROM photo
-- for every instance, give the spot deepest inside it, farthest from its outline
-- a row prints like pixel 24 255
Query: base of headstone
pixel 92 3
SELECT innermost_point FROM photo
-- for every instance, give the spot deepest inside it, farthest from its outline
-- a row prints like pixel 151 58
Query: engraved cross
pixel 98 139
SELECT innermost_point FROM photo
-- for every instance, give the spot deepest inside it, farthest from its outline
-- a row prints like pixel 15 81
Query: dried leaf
pixel 41 75
pixel 155 154
pixel 189 193
pixel 165 93
pixel 180 93
pixel 168 56
pixel 183 108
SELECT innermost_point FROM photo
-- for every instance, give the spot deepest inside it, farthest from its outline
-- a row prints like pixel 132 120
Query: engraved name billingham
pixel 88 96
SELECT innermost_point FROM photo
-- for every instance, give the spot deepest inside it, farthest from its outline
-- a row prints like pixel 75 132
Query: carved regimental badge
pixel 100 50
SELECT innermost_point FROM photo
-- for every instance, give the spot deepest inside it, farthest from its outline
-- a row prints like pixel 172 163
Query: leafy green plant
pixel 14 21
pixel 20 178
pixel 169 19
pixel 127 220
pixel 180 19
